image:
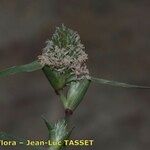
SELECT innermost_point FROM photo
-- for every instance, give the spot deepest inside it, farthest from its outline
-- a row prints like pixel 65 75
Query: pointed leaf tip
pixel 117 84
pixel 48 125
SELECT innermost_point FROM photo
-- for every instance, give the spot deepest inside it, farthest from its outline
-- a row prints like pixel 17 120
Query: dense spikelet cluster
pixel 65 52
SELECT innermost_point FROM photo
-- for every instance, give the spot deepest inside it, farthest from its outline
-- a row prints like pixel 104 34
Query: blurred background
pixel 116 35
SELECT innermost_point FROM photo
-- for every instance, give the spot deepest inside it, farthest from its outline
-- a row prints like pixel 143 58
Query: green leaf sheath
pixel 33 66
pixel 76 93
pixel 56 79
pixel 117 84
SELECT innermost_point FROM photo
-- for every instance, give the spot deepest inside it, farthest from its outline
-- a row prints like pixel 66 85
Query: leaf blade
pixel 117 84
pixel 33 66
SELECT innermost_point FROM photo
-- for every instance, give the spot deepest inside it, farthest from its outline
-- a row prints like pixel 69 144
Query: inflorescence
pixel 65 52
